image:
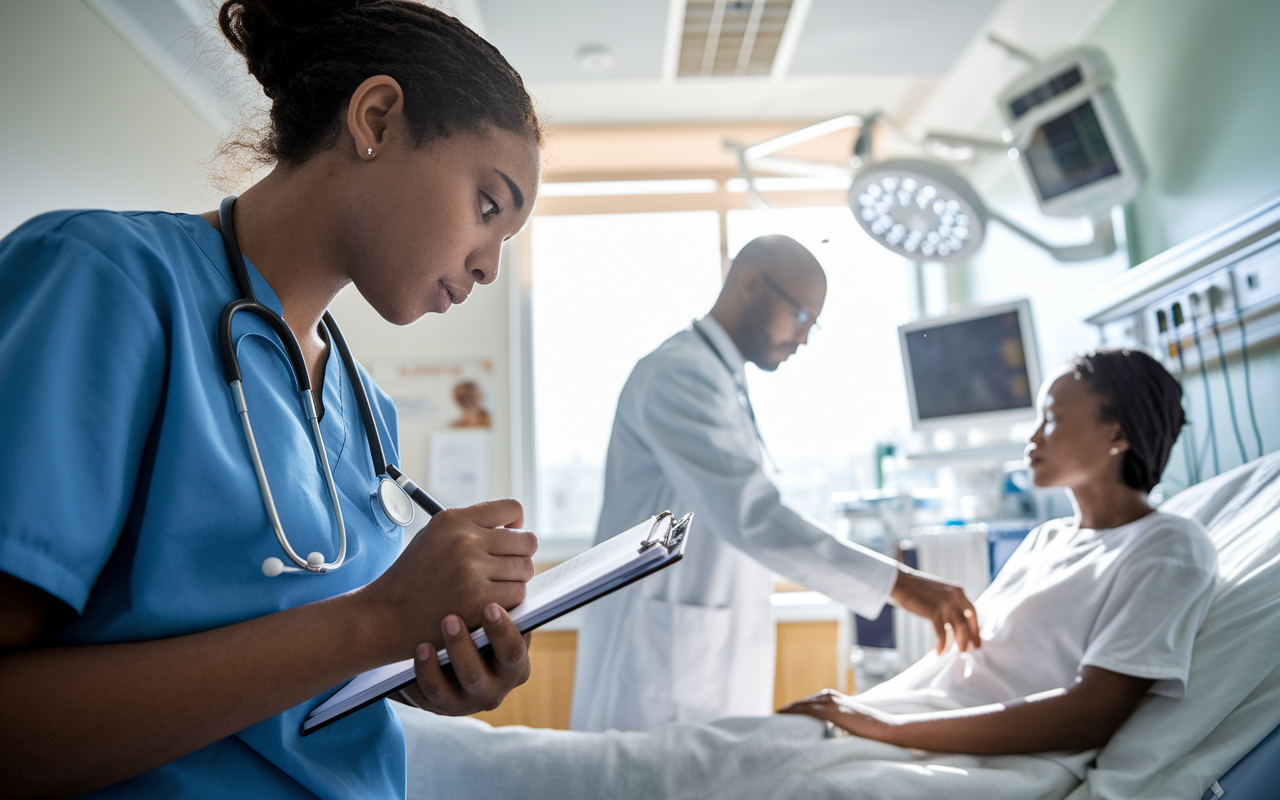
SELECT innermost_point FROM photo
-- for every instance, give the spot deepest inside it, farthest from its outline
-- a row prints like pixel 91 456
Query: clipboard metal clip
pixel 675 531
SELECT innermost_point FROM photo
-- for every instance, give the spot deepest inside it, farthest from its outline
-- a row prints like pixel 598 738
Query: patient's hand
pixel 844 712
pixel 478 684
pixel 1076 717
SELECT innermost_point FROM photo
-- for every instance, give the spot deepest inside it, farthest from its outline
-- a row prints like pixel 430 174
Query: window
pixel 606 290
pixel 822 412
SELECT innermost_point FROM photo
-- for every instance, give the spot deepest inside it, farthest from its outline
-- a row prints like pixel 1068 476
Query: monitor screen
pixel 1069 152
pixel 972 366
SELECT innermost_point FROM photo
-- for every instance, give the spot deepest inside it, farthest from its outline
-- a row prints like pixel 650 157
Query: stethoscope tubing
pixel 388 473
pixel 742 393
pixel 308 405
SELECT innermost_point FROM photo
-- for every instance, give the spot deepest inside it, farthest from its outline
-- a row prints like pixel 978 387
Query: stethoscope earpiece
pixel 273 566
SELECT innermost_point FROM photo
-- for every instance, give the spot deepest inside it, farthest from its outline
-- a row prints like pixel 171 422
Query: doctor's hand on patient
pixel 942 603
pixel 464 569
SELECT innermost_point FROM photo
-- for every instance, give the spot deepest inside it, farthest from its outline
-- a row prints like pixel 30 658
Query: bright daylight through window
pixel 607 289
pixel 822 412
pixel 599 305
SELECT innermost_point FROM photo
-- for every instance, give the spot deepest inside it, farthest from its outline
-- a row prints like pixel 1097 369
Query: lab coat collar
pixel 728 350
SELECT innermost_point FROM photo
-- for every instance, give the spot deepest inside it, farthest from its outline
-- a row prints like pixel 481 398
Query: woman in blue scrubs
pixel 143 651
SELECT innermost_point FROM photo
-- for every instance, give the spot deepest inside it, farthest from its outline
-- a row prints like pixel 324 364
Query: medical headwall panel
pixel 1223 283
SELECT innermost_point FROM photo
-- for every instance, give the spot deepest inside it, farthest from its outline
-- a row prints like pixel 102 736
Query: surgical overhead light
pixel 1066 129
pixel 919 209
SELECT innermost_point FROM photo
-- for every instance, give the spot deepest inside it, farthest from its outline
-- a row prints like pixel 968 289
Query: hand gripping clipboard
pixel 652 545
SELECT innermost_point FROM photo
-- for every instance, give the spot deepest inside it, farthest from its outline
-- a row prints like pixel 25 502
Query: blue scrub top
pixel 127 491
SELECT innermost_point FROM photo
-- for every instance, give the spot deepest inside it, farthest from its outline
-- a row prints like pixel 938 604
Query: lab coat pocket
pixel 701 649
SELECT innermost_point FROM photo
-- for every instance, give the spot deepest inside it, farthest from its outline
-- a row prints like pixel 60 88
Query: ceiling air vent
pixel 731 37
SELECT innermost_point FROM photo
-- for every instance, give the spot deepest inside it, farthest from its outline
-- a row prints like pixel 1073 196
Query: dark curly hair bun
pixel 311 55
pixel 268 34
pixel 1146 400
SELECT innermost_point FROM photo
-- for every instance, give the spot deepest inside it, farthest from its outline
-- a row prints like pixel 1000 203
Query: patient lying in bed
pixel 1088 616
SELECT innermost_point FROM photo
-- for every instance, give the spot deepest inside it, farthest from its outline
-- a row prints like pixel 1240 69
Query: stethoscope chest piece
pixel 395 502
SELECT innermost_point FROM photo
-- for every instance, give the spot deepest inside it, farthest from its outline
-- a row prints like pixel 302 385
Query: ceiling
pixel 833 54
pixel 923 62
pixel 833 37
pixel 904 37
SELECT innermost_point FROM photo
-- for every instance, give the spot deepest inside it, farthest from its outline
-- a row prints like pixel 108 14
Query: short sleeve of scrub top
pixel 128 493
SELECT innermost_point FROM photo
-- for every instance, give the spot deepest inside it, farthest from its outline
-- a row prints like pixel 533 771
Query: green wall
pixel 1200 83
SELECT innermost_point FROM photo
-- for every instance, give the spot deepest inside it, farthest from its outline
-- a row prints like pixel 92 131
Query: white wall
pixel 479 328
pixel 85 123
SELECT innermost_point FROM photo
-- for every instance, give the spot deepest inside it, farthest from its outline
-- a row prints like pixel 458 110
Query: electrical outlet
pixel 1207 297
pixel 1248 287
pixel 1257 278
pixel 1177 316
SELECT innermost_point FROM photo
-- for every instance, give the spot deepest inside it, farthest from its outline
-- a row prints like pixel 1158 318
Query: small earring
pixel 1115 451
pixel 369 152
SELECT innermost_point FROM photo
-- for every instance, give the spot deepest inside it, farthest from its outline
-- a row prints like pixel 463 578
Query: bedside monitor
pixel 971 368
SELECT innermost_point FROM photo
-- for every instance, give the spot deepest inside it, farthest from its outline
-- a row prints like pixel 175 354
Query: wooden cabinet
pixel 808 661
pixel 545 699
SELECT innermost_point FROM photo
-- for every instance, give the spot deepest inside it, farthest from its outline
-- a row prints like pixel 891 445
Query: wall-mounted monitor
pixel 1070 135
pixel 971 368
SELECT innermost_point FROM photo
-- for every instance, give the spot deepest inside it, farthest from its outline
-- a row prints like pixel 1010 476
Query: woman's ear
pixel 1119 444
pixel 375 115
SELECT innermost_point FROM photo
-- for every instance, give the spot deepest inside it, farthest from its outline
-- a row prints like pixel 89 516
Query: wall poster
pixel 445 420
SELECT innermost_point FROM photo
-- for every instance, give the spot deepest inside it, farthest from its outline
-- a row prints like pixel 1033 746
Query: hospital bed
pixel 1222 740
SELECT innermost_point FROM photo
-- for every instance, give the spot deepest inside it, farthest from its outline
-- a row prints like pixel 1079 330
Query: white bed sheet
pixel 1168 749
pixel 745 758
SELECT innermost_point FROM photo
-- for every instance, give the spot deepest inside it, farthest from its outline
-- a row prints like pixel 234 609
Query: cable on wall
pixel 1215 298
pixel 1248 382
pixel 1211 435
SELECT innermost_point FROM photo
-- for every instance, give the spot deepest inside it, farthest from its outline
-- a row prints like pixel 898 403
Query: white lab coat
pixel 695 642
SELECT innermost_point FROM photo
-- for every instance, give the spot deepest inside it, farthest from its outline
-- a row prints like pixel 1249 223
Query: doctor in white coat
pixel 696 642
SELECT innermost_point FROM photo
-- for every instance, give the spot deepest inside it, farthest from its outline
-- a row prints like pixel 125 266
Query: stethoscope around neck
pixel 744 399
pixel 393 491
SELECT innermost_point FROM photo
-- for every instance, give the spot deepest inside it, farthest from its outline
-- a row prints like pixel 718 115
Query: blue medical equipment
pixel 1254 777
pixel 394 489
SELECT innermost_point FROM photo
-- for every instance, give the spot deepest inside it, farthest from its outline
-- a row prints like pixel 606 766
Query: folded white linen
pixel 1177 748
pixel 747 757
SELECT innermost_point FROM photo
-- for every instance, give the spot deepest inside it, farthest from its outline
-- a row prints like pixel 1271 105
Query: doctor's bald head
pixel 771 298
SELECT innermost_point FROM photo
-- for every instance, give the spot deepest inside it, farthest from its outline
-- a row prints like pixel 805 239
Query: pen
pixel 428 503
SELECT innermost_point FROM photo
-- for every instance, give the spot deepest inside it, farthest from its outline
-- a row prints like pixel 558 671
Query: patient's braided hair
pixel 311 55
pixel 1145 399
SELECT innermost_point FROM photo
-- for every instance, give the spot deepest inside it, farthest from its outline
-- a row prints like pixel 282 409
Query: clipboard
pixel 650 546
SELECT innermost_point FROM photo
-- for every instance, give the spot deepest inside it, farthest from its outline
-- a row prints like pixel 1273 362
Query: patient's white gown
pixel 1128 599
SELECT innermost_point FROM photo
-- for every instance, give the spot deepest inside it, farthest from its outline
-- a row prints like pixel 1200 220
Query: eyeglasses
pixel 803 315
